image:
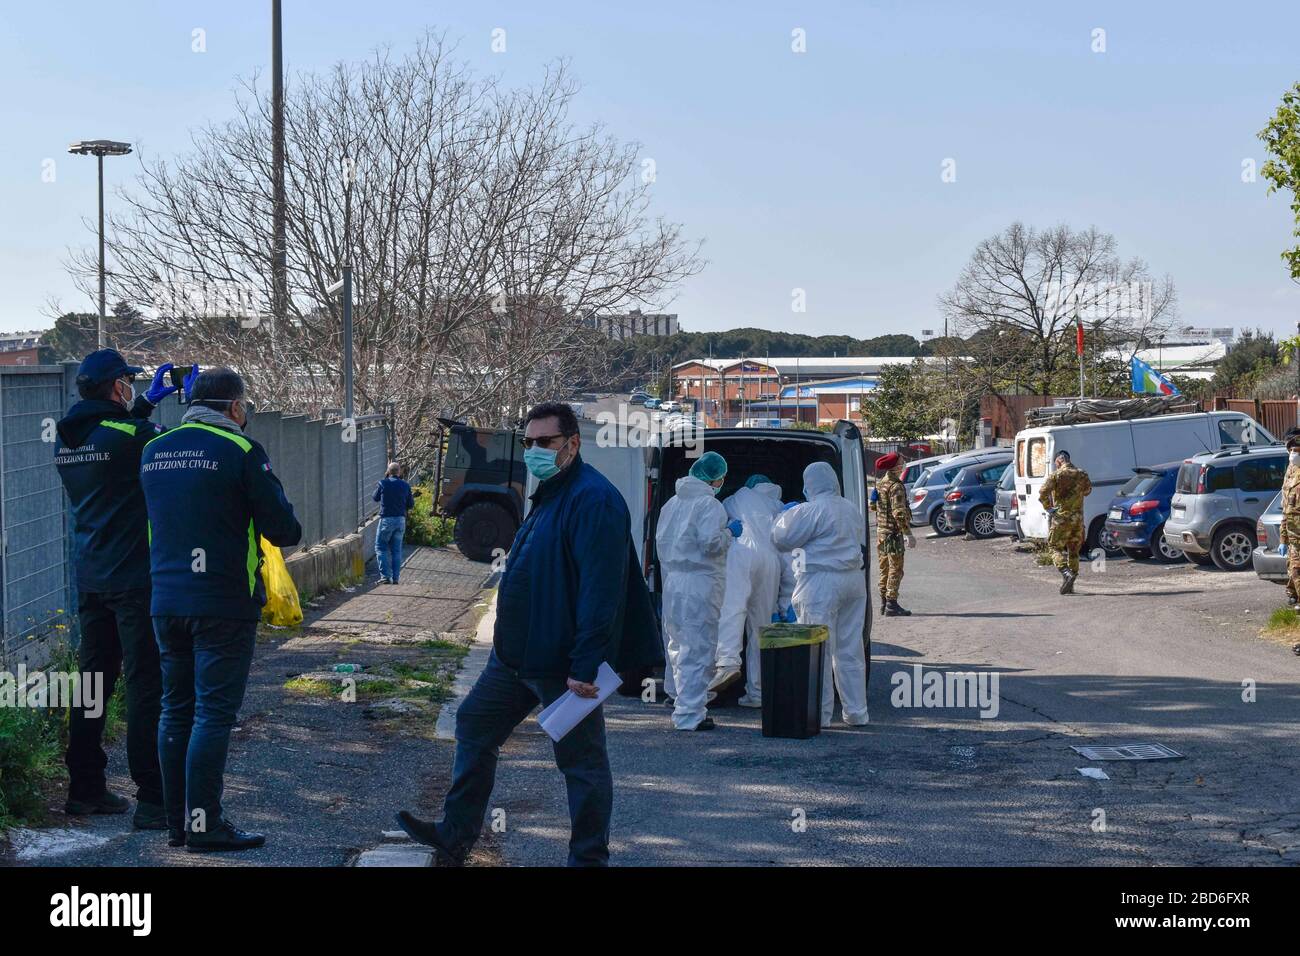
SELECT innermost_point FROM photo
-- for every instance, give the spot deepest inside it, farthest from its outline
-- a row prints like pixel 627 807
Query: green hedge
pixel 423 527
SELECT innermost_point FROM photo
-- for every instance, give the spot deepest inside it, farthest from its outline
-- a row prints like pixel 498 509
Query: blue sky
pixel 818 171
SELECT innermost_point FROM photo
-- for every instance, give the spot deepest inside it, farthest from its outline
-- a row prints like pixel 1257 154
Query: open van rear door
pixel 853 471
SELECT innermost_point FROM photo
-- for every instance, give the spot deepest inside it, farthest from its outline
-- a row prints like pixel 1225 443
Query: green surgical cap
pixel 758 480
pixel 710 467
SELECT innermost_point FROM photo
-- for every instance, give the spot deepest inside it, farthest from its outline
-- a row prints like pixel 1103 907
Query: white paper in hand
pixel 568 710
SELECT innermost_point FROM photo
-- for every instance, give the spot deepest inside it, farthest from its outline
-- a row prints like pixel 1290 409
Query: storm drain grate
pixel 1129 752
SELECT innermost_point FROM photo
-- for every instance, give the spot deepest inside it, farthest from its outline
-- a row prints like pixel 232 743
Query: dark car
pixel 968 502
pixel 1135 520
pixel 925 497
pixel 1006 506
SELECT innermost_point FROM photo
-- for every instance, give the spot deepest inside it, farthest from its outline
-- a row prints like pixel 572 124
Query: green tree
pixel 75 334
pixel 901 406
pixel 1250 357
pixel 1282 170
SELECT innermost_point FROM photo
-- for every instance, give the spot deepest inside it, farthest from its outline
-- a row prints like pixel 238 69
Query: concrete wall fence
pixel 328 471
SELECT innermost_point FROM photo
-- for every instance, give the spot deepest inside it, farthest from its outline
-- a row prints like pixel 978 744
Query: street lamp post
pixel 99 148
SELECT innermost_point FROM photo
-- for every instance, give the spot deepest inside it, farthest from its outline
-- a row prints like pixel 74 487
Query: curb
pixel 475 661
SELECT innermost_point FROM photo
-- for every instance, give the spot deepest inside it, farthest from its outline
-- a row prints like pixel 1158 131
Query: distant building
pixel 813 390
pixel 23 348
pixel 635 323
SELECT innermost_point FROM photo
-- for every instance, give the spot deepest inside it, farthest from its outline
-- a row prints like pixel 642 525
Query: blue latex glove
pixel 792 504
pixel 160 388
pixel 789 615
pixel 875 495
pixel 189 381
pixel 1281 549
pixel 776 618
pixel 735 527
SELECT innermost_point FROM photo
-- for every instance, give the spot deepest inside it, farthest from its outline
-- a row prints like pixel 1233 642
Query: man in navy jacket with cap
pixel 98 460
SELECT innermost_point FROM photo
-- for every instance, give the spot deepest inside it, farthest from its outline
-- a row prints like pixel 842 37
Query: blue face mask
pixel 540 463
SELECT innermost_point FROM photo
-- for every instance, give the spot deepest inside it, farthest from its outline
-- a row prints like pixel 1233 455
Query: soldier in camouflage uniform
pixel 1062 495
pixel 893 527
pixel 1289 530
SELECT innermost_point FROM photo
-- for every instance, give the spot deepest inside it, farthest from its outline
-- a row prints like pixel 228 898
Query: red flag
pixel 1078 338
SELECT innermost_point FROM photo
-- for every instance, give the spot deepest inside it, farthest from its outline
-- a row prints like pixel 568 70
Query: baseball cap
pixel 104 365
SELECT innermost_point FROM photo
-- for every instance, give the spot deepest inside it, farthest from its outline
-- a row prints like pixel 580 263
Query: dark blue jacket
pixel 211 494
pixel 572 594
pixel 395 495
pixel 98 458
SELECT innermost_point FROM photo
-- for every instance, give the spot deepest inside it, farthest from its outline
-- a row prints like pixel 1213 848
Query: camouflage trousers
pixel 1293 571
pixel 889 565
pixel 1066 540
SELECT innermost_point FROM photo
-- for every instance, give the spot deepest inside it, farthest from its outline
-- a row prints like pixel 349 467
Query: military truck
pixel 480 477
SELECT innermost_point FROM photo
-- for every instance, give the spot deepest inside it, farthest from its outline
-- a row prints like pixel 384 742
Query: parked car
pixel 1268 562
pixel 1006 507
pixel 637 398
pixel 669 406
pixel 926 496
pixel 1136 520
pixel 914 468
pixel 1109 451
pixel 968 502
pixel 651 402
pixel 1218 500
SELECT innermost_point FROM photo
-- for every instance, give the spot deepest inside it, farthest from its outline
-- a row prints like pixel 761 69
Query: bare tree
pixel 1023 291
pixel 484 229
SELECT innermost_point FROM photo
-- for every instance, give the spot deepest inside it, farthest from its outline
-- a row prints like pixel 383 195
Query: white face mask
pixel 1294 457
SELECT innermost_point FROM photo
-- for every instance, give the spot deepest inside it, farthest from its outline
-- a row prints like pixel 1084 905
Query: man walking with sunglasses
pixel 98 460
pixel 571 597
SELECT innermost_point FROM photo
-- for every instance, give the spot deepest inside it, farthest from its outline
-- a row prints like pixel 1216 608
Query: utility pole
pixel 279 244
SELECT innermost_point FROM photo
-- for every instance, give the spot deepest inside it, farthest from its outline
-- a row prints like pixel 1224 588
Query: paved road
pixel 1143 652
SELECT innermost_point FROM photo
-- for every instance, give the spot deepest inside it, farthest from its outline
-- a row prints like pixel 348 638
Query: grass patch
pixel 31 755
pixel 309 687
pixel 1283 619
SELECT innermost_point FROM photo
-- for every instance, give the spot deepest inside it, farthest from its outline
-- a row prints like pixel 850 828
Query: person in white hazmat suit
pixel 753 585
pixel 692 540
pixel 825 535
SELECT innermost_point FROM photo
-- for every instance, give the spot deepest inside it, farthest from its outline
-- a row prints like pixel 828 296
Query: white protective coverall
pixel 753 579
pixel 830 585
pixel 692 541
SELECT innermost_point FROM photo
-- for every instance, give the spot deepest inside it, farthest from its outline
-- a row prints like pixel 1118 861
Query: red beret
pixel 886 462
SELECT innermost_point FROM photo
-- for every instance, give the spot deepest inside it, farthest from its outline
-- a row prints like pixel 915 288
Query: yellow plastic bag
pixel 282 607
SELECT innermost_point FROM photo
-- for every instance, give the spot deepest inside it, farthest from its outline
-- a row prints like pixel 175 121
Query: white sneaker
pixel 754 703
pixel 725 678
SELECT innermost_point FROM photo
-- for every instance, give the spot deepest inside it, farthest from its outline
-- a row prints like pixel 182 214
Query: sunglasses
pixel 543 440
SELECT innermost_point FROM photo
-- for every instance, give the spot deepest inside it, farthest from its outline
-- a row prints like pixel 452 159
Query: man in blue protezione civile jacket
pixel 98 460
pixel 211 495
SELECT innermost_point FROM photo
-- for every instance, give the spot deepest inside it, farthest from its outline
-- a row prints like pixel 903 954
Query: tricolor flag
pixel 1147 381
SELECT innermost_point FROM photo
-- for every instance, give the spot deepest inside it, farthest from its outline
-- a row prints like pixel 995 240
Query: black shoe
pixel 894 609
pixel 427 833
pixel 670 701
pixel 149 816
pixel 225 837
pixel 106 802
pixel 884 604
pixel 705 724
pixel 176 836
pixel 1067 583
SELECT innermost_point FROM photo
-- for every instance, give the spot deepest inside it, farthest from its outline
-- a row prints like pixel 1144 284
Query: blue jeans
pixel 205 663
pixel 499 702
pixel 388 547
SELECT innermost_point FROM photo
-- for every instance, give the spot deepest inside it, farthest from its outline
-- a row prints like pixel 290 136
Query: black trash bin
pixel 791 658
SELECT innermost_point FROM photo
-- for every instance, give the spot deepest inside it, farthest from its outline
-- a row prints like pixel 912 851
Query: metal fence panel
pixel 373 448
pixel 33 559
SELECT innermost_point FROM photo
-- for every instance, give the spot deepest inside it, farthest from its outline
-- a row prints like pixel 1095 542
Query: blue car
pixel 968 502
pixel 1135 521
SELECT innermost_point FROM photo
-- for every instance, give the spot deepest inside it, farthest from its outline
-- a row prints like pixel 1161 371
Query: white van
pixel 1109 451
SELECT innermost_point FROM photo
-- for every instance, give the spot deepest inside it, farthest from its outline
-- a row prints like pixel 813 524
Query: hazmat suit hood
pixel 819 479
pixel 688 486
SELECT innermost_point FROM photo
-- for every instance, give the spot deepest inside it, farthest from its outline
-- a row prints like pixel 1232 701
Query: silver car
pixel 1217 501
pixel 915 469
pixel 1268 562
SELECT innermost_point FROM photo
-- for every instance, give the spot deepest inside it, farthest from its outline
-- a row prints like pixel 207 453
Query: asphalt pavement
pixel 1143 653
